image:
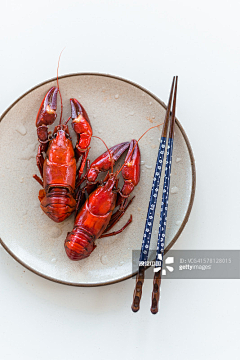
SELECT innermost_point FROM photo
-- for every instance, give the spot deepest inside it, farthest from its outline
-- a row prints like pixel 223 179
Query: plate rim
pixel 192 160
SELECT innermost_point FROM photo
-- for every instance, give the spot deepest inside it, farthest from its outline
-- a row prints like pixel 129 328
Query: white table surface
pixel 147 42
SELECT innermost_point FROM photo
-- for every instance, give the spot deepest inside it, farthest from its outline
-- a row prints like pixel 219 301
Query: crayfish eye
pixel 53 136
pixel 68 135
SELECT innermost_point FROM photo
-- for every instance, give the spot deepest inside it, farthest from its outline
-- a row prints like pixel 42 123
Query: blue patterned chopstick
pixel 151 209
pixel 152 204
pixel 164 208
pixel 163 216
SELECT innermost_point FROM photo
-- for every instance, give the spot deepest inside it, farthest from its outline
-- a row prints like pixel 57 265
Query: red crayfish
pixel 59 167
pixel 66 189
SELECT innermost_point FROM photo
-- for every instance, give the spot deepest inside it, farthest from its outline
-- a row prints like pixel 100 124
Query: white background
pixel 147 42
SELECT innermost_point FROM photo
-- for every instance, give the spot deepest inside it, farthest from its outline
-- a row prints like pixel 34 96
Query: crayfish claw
pixel 81 125
pixel 77 109
pixel 131 169
pixel 47 111
pixel 105 161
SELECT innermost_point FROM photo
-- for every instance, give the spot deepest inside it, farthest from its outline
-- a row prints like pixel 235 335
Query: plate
pixel 119 110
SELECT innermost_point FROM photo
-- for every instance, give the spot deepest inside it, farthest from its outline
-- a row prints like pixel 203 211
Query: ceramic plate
pixel 119 111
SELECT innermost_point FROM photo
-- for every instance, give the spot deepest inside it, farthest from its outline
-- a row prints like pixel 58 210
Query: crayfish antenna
pixel 60 121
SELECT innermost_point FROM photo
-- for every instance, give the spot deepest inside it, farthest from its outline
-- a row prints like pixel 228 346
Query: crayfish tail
pixel 78 245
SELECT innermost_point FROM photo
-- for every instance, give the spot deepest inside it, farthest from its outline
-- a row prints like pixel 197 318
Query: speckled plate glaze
pixel 119 110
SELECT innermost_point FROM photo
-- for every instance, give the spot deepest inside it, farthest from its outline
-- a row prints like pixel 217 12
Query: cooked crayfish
pixel 65 189
pixel 59 167
pixel 96 216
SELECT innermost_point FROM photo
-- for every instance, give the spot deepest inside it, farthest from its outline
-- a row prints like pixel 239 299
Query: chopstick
pixel 163 216
pixel 151 209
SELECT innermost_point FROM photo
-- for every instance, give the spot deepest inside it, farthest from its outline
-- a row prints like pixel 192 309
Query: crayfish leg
pixel 118 231
pixel 116 217
pixel 37 178
pixel 40 159
pixel 84 160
